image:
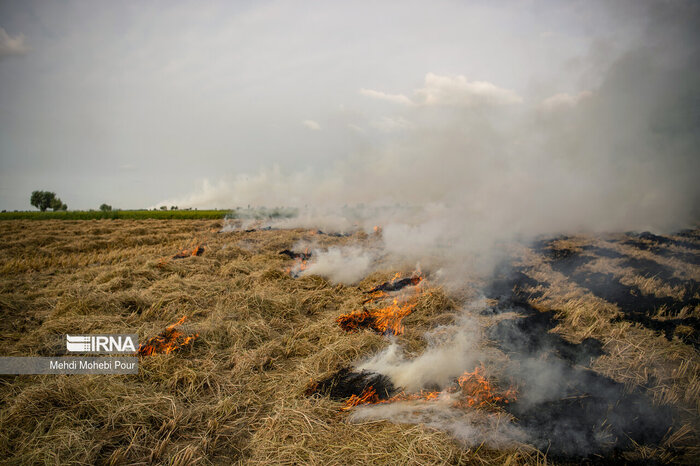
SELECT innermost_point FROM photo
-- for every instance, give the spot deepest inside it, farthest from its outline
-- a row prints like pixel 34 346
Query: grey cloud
pixel 12 45
pixel 219 94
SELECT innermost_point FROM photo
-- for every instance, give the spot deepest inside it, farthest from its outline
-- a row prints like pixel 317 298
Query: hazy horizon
pixel 218 105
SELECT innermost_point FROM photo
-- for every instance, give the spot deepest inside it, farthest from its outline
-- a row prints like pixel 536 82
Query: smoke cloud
pixel 476 163
pixel 451 351
pixel 470 428
pixel 340 265
pixel 463 165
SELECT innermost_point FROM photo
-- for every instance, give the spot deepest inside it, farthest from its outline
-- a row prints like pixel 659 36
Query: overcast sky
pixel 135 103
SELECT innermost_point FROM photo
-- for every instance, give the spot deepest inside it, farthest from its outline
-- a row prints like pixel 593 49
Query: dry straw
pixel 237 394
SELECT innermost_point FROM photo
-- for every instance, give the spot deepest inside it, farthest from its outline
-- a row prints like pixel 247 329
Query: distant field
pixel 122 214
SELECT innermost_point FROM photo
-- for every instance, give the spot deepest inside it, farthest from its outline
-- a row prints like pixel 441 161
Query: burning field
pixel 295 346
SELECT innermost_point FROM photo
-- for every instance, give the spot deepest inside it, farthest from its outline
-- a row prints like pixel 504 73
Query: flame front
pixel 368 396
pixel 475 391
pixel 167 341
pixel 197 250
pixel 301 263
pixel 385 320
pixel 478 391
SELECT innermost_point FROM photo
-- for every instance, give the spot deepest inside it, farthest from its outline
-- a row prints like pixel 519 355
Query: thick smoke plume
pixel 479 164
pixel 451 351
pixel 473 165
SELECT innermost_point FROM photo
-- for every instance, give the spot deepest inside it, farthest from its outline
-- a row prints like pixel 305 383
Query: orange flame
pixel 475 391
pixel 478 391
pixel 368 396
pixel 385 320
pixel 195 251
pixel 300 264
pixel 167 341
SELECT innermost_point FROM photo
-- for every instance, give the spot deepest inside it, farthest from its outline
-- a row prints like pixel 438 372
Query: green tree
pixel 57 204
pixel 43 200
pixel 106 208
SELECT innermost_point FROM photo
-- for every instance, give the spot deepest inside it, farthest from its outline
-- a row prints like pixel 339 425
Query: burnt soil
pixel 636 306
pixel 346 382
pixel 581 415
pixel 577 415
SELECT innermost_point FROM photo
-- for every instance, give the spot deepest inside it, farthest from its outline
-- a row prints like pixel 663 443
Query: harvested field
pixel 617 314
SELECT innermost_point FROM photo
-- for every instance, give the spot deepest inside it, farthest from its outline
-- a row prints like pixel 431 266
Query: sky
pixel 219 104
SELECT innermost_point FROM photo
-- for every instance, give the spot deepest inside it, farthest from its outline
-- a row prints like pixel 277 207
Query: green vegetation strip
pixel 115 214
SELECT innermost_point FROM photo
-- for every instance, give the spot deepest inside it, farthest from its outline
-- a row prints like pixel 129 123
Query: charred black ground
pixel 567 409
pixel 296 255
pixel 640 308
pixel 333 234
pixel 570 411
pixel 395 285
pixel 636 306
pixel 346 382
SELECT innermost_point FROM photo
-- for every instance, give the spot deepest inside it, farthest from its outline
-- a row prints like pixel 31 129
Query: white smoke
pixel 618 157
pixel 477 165
pixel 451 351
pixel 468 427
pixel 340 265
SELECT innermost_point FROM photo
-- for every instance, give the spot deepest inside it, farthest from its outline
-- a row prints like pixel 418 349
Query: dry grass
pixel 237 395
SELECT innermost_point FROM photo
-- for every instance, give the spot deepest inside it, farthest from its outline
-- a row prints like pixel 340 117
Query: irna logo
pixel 104 344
